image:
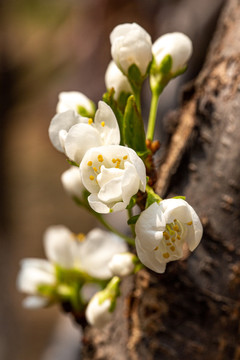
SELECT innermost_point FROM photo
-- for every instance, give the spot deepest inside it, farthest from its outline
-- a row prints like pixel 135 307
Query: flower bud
pixel 131 44
pixel 72 182
pixel 177 45
pixel 74 100
pixel 98 313
pixel 114 78
pixel 122 264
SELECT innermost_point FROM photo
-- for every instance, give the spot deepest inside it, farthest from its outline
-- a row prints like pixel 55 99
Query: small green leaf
pixel 133 128
pixel 133 219
pixel 73 163
pixel 152 197
pixel 134 76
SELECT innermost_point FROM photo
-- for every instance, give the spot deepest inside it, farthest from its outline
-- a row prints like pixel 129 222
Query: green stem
pixel 132 227
pixel 100 218
pixel 152 115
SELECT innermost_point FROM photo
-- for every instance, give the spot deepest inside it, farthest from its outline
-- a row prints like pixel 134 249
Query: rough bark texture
pixel 192 311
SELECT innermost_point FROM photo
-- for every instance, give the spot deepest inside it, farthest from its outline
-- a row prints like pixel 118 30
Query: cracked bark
pixel 192 311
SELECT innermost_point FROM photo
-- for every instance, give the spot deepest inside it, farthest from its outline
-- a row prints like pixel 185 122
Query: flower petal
pixel 107 125
pixel 71 100
pixel 35 302
pixel 148 258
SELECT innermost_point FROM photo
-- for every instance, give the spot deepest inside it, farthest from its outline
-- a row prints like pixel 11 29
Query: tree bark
pixel 192 311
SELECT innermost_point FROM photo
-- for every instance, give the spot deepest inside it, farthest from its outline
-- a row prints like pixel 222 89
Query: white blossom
pixel 114 78
pixel 176 44
pixel 34 273
pixel 97 312
pixel 90 253
pixel 74 134
pixel 161 231
pixel 72 100
pixel 131 44
pixel 122 264
pixel 112 174
pixel 72 182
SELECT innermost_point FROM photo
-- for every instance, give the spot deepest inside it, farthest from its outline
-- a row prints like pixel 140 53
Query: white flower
pixel 74 135
pixel 131 44
pixel 73 100
pixel 34 273
pixel 176 44
pixel 72 182
pixel 122 264
pixel 90 253
pixel 161 231
pixel 114 78
pixel 112 174
pixel 97 312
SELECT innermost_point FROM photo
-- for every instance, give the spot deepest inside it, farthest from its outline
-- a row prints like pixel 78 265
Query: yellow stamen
pixel 94 168
pixel 173 239
pixel 100 158
pixel 90 121
pixel 114 161
pixel 189 223
pixel 178 237
pixel 166 255
pixel 91 177
pixel 125 157
pixel 103 123
pixel 168 244
pixel 80 237
pixel 156 248
pixel 176 228
pixel 172 248
pixel 89 163
pixel 165 234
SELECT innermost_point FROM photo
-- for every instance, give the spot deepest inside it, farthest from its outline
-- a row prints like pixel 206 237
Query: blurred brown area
pixel 48 47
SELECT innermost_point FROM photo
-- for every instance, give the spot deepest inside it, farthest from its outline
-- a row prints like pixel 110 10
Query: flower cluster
pixel 112 170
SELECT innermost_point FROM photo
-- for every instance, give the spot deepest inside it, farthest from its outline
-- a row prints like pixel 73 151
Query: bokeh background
pixel 48 46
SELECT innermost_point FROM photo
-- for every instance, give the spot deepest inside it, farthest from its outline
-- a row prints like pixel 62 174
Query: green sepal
pixel 72 163
pixel 108 98
pixel 135 77
pixel 122 100
pixel 133 219
pixel 143 154
pixel 133 128
pixel 179 72
pixel 152 197
pixel 132 202
pixel 111 292
pixel 48 291
pixel 166 65
pixel 179 197
pixel 84 112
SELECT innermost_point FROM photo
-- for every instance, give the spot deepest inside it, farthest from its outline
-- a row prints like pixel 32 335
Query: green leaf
pixel 108 98
pixel 133 219
pixel 122 100
pixel 133 128
pixel 73 163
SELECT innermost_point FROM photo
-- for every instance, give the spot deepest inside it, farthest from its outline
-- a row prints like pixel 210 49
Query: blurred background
pixel 48 46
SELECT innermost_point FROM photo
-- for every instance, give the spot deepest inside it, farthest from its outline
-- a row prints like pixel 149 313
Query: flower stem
pixel 100 218
pixel 152 115
pixel 132 227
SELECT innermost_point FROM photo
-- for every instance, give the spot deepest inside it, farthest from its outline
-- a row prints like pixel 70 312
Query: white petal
pixel 130 182
pixel 122 264
pixel 97 205
pixel 70 100
pixel 194 237
pixel 107 125
pixel 63 121
pixel 97 250
pixel 72 182
pixel 140 167
pixel 150 226
pixel 80 138
pixel 35 302
pixel 175 209
pixel 148 258
pixel 59 245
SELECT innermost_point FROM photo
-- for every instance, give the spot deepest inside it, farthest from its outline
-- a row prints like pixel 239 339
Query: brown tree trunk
pixel 192 311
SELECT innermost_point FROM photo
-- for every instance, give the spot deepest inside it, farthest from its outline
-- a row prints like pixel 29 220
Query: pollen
pixel 166 255
pixel 80 237
pixel 176 228
pixel 156 248
pixel 125 157
pixel 172 248
pixel 103 123
pixel 95 169
pixel 165 234
pixel 114 161
pixel 90 121
pixel 91 177
pixel 100 158
pixel 189 223
pixel 178 237
pixel 89 163
pixel 173 239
